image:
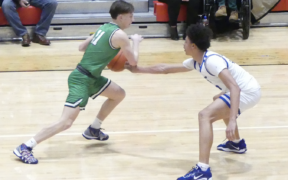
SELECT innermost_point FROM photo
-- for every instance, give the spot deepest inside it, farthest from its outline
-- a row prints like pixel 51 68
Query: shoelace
pixel 28 155
pixel 101 133
pixel 224 141
pixel 193 167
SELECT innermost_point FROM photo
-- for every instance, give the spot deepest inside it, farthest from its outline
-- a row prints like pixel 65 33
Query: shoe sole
pixel 37 41
pixel 204 178
pixel 231 150
pixel 93 138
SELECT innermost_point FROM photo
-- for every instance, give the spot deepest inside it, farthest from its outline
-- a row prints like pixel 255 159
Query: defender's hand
pixel 130 68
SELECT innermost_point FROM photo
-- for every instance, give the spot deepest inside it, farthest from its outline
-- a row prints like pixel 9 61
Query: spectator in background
pixel 194 7
pixel 48 9
pixel 222 11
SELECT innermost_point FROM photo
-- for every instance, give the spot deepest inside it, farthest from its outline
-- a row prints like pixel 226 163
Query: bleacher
pixel 76 19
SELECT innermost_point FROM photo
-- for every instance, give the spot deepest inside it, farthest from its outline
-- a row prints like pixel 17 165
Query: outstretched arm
pixel 158 69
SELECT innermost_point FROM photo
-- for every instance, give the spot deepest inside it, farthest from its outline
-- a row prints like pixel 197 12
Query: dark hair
pixel 120 7
pixel 199 35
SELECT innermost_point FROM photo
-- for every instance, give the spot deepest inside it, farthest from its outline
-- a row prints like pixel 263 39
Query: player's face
pixel 188 46
pixel 127 19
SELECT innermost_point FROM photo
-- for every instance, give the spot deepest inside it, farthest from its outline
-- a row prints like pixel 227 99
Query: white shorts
pixel 247 100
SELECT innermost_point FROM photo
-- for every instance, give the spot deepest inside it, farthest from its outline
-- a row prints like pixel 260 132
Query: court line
pixel 51 70
pixel 153 131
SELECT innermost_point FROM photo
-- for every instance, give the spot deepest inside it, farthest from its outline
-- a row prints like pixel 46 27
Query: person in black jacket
pixel 48 9
pixel 194 8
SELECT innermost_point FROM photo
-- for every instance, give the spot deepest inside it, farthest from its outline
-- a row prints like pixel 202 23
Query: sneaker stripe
pixel 17 153
pixel 89 137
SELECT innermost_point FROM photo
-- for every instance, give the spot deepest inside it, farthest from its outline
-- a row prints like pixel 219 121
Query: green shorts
pixel 81 87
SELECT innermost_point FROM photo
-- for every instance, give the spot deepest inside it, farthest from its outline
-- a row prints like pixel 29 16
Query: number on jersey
pixel 96 38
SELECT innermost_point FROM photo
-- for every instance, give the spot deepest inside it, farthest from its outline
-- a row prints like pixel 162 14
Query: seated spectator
pixel 194 7
pixel 222 11
pixel 48 9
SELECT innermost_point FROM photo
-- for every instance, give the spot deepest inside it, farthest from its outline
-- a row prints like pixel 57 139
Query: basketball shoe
pixel 91 133
pixel 230 146
pixel 25 154
pixel 196 173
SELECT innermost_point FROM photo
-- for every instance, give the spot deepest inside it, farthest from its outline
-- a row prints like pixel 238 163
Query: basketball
pixel 118 62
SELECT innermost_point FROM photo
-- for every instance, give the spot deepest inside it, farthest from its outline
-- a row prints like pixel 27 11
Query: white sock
pixel 237 141
pixel 96 124
pixel 203 166
pixel 31 143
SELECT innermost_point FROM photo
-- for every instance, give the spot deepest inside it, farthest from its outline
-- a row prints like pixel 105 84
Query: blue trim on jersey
pixel 214 55
pixel 194 64
pixel 228 104
pixel 221 57
pixel 239 112
pixel 209 72
pixel 203 60
pixel 227 96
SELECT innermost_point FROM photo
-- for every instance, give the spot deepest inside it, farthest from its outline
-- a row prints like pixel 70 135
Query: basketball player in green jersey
pixel 86 80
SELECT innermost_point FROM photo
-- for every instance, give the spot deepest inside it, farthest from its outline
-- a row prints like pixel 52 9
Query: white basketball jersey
pixel 214 63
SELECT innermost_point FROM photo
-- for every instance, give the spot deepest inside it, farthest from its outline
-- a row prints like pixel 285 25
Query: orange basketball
pixel 118 62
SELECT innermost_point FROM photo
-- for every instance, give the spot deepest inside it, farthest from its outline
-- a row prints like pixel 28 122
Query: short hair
pixel 120 7
pixel 199 35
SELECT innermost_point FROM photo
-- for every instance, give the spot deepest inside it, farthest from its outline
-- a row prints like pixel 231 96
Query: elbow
pixel 81 49
pixel 133 63
pixel 236 89
pixel 164 72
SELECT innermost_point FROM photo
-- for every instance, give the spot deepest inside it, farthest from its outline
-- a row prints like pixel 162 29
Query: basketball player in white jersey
pixel 239 92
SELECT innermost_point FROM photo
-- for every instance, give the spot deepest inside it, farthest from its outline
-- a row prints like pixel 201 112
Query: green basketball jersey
pixel 100 50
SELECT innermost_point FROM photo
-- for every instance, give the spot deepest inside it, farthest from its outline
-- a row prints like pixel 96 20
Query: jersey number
pixel 96 38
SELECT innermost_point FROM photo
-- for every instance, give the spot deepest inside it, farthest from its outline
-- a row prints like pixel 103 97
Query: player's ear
pixel 193 45
pixel 120 16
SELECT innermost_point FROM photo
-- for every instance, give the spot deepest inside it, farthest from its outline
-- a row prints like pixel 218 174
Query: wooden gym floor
pixel 154 131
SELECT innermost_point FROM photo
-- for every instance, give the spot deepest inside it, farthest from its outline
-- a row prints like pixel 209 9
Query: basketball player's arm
pixel 121 40
pixel 231 84
pixel 83 45
pixel 159 69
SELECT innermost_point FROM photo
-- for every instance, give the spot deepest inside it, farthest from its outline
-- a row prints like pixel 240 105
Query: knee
pixel 118 95
pixel 52 4
pixel 204 117
pixel 121 94
pixel 67 124
pixel 8 5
